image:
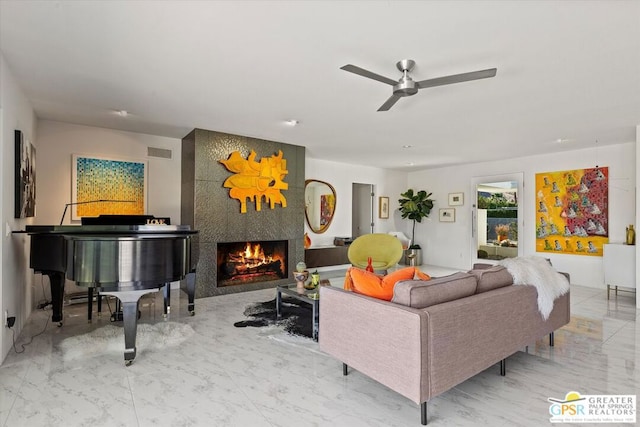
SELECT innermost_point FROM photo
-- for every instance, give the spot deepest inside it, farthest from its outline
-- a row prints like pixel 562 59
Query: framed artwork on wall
pixel 572 211
pixel 25 177
pixel 383 207
pixel 448 215
pixel 108 186
pixel 456 199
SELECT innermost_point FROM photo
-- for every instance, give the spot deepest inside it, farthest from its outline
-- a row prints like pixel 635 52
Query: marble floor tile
pixel 227 376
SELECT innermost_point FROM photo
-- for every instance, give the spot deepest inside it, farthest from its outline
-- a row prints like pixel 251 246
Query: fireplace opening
pixel 240 263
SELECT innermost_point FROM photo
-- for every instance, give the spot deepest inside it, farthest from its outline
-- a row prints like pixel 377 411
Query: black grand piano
pixel 123 256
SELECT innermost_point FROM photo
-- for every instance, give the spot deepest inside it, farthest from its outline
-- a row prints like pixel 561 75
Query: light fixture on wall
pixel 292 122
pixel 122 113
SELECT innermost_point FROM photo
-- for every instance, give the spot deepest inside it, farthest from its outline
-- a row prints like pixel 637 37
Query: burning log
pixel 243 269
pixel 250 264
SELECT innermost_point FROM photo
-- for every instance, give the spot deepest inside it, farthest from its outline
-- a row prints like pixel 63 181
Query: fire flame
pixel 253 255
pixel 254 260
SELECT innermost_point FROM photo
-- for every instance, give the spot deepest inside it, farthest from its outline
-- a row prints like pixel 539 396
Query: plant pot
pixel 413 257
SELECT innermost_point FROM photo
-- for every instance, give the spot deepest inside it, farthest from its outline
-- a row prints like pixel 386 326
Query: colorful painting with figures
pixel 572 211
pixel 327 206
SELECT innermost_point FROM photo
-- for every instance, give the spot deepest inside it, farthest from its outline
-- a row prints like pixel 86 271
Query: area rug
pixel 109 339
pixel 295 319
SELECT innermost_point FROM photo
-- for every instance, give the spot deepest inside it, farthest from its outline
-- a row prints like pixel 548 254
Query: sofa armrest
pixel 384 341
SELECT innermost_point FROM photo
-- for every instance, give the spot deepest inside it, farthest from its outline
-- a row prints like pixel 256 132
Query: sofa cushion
pixel 492 278
pixel 373 285
pixel 421 294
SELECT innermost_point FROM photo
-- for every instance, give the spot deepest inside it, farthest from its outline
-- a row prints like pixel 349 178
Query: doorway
pixel 361 209
pixel 497 219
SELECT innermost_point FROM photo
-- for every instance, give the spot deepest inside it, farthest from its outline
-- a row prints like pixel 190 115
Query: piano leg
pixel 91 293
pixel 167 299
pixel 99 299
pixel 191 291
pixel 129 300
pixel 89 303
pixel 56 280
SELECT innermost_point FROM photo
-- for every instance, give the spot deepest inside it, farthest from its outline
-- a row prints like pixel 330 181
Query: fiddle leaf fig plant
pixel 415 206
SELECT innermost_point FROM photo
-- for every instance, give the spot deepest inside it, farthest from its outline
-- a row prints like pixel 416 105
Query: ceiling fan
pixel 405 86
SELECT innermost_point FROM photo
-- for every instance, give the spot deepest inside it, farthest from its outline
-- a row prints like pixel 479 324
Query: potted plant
pixel 415 206
pixel 502 230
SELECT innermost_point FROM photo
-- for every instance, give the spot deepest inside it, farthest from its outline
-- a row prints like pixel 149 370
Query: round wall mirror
pixel 320 204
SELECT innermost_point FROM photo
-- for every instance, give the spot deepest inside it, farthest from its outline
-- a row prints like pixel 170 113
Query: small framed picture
pixel 456 199
pixel 383 207
pixel 448 215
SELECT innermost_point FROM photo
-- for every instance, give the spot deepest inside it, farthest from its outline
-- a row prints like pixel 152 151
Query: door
pixel 497 218
pixel 361 209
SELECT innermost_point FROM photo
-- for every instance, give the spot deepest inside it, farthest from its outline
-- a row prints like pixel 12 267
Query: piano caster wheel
pixel 59 324
pixel 128 362
pixel 192 313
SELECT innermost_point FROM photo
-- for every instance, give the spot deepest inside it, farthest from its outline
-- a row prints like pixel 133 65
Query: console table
pixel 619 262
pixel 323 256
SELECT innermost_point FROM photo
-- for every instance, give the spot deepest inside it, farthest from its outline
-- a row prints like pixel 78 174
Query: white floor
pixel 228 376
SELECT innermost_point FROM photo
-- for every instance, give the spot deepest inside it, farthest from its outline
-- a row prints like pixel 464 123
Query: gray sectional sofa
pixel 436 334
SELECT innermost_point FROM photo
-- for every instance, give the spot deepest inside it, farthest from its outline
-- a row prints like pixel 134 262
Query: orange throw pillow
pixel 381 287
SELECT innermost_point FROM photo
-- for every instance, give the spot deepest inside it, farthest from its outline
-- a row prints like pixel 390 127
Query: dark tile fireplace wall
pixel 207 207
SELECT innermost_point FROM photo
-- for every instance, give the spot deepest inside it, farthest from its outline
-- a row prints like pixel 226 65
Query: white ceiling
pixel 567 70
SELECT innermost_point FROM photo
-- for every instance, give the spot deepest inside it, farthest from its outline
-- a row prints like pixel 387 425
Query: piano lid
pixel 109 229
pixel 115 224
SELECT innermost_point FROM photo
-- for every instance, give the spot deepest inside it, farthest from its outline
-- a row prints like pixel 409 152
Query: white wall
pixel 637 217
pixel 15 113
pixel 57 142
pixel 449 244
pixel 342 176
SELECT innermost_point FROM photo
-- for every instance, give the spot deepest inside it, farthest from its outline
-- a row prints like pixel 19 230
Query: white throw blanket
pixel 536 271
pixel 110 339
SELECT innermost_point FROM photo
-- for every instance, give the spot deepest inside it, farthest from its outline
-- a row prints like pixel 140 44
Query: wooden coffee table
pixel 310 296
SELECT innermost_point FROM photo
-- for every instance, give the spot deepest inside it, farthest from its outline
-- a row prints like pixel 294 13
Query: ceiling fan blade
pixel 457 78
pixel 389 103
pixel 366 73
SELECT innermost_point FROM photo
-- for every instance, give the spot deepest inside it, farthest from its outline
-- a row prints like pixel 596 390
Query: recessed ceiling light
pixel 410 163
pixel 122 113
pixel 563 140
pixel 407 146
pixel 291 122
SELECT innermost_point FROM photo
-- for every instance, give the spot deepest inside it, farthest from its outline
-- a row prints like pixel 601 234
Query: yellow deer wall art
pixel 255 180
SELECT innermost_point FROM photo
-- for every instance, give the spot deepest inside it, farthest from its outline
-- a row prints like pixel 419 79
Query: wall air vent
pixel 158 152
